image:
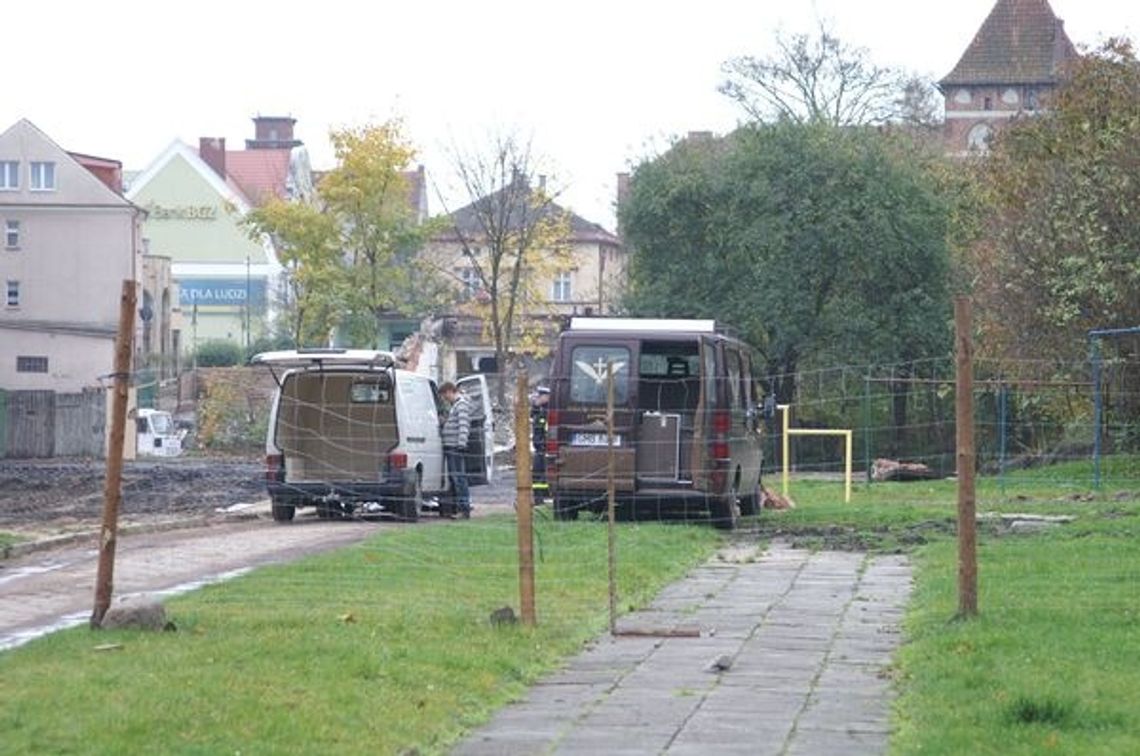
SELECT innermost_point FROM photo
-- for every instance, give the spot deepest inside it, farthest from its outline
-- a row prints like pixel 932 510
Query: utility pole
pixel 113 485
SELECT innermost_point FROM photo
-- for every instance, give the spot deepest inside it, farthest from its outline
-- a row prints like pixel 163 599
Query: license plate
pixel 592 439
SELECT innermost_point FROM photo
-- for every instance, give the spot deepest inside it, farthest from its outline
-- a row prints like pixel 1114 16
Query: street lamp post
pixel 247 302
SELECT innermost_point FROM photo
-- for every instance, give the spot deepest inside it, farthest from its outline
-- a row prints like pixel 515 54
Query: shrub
pixel 218 353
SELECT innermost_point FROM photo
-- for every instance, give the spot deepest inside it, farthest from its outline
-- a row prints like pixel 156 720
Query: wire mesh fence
pixel 345 439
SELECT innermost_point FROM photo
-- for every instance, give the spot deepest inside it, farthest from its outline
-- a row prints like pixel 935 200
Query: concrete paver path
pixel 806 636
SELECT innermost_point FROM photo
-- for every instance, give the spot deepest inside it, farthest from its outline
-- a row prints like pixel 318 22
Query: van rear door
pixel 581 440
pixel 480 456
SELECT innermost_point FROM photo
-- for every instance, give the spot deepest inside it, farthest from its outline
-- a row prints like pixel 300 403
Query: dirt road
pixel 48 590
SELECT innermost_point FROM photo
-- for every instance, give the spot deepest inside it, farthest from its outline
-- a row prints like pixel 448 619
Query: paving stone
pixel 809 636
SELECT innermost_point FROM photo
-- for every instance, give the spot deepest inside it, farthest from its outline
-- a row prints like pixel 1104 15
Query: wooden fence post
pixel 113 484
pixel 967 518
pixel 524 502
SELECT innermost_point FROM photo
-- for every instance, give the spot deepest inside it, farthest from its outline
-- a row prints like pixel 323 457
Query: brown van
pixel 686 419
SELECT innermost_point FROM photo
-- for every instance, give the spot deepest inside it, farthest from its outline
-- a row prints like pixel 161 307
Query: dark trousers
pixel 457 472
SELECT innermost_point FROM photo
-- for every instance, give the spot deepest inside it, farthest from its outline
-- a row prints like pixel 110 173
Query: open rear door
pixel 480 455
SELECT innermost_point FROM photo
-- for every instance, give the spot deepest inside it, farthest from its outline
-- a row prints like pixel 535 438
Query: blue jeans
pixel 457 472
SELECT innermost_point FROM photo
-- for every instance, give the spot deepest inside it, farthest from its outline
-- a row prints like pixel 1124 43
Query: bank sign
pixel 222 292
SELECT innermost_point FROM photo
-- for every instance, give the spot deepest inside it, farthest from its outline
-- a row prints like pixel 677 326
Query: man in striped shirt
pixel 456 429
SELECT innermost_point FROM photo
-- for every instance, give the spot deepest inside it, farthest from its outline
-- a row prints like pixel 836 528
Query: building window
pixel 27 364
pixel 13 293
pixel 9 174
pixel 469 283
pixel 978 137
pixel 1031 99
pixel 12 234
pixel 42 177
pixel 561 291
pixel 989 104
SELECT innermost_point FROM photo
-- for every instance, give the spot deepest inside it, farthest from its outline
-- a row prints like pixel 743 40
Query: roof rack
pixel 657 325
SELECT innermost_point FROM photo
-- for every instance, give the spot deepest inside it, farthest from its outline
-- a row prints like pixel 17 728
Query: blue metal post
pixel 1003 424
pixel 867 425
pixel 1098 405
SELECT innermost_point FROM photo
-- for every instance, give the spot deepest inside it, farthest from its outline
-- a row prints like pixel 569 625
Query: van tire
pixel 565 509
pixel 725 510
pixel 411 504
pixel 282 512
pixel 750 504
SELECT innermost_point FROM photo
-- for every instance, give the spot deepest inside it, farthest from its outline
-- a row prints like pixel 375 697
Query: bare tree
pixel 511 235
pixel 815 79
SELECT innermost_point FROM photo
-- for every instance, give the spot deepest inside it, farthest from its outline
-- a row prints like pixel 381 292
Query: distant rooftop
pixel 1020 42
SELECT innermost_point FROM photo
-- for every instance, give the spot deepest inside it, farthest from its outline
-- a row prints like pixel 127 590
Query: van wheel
pixel 725 510
pixel 750 504
pixel 565 509
pixel 282 512
pixel 411 505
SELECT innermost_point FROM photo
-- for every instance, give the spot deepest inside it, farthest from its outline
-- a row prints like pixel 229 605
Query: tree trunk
pixel 900 395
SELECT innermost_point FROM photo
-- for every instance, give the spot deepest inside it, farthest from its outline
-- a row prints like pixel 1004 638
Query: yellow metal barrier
pixel 789 431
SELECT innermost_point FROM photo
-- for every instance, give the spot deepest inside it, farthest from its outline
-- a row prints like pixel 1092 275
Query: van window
pixel 708 350
pixel 588 375
pixel 732 365
pixel 371 392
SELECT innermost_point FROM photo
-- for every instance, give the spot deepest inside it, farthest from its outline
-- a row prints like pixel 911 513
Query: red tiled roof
pixel 1020 42
pixel 261 174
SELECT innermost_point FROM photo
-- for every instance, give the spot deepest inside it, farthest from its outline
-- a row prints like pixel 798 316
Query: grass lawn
pixel 6 541
pixel 381 648
pixel 386 647
pixel 1052 662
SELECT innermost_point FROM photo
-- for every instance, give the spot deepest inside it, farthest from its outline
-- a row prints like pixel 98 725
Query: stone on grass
pixel 137 614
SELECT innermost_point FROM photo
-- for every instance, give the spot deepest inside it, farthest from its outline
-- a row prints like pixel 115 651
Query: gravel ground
pixel 61 494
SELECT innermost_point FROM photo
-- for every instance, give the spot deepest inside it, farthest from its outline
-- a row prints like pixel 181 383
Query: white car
pixel 348 429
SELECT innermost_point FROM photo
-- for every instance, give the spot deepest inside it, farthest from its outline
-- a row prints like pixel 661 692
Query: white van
pixel 156 435
pixel 348 429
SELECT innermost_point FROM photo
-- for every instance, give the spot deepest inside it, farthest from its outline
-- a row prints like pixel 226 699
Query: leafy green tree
pixel 1058 251
pixel 351 258
pixel 825 245
pixel 315 278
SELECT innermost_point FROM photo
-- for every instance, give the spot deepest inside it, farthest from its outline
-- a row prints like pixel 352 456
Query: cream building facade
pixel 69 242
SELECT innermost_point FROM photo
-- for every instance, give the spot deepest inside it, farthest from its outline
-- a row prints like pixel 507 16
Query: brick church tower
pixel 1011 67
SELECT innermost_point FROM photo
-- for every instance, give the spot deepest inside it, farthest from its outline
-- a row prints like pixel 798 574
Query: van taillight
pixel 275 467
pixel 552 418
pixel 718 443
pixel 397 461
pixel 722 421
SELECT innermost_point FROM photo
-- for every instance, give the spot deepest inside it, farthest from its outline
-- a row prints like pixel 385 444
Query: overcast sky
pixel 595 85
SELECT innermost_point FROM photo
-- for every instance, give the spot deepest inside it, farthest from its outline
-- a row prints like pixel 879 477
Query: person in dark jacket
pixel 538 402
pixel 456 429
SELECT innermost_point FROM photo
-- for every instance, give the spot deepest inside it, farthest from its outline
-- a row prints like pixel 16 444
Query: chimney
pixel 622 188
pixel 542 182
pixel 213 151
pixel 272 133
